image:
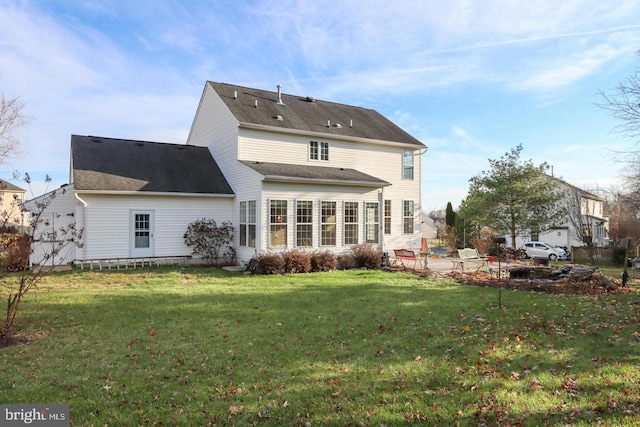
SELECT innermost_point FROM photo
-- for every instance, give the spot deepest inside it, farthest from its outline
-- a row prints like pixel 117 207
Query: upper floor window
pixel 407 165
pixel 318 150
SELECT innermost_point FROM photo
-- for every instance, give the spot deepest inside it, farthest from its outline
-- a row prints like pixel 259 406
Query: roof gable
pixel 110 164
pixel 261 107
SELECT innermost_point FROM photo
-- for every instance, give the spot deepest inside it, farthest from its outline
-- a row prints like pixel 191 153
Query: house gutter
pixel 279 178
pixel 153 193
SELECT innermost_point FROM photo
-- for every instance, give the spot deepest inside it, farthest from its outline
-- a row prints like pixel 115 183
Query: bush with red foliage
pixel 296 261
pixel 323 261
pixel 367 256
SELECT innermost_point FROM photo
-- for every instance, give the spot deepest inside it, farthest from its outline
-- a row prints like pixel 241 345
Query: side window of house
pixel 304 223
pixel 328 217
pixel 408 217
pixel 407 165
pixel 387 217
pixel 248 223
pixel 277 223
pixel 243 223
pixel 318 150
pixel 251 222
pixel 372 222
pixel 350 223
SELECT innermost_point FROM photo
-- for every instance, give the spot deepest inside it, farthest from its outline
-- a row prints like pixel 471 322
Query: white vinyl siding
pixel 107 222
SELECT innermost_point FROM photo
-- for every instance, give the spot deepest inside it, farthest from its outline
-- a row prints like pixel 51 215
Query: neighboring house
pixel 288 171
pixel 585 220
pixel 11 199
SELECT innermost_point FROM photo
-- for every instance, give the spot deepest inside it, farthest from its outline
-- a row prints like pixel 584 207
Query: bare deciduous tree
pixel 25 275
pixel 18 275
pixel 12 120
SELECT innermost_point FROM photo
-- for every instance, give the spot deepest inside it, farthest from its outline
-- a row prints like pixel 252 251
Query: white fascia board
pixel 155 193
pixel 279 178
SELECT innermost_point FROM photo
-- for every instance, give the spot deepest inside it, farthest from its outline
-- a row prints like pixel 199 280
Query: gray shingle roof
pixel 319 174
pixel 110 164
pixel 310 115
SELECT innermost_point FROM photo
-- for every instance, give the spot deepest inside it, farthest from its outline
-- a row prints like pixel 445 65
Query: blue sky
pixel 471 79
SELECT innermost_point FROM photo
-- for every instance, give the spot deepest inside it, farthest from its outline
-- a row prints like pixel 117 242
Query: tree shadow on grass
pixel 379 349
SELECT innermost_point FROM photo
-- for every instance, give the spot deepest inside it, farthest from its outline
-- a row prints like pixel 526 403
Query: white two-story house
pixel 584 220
pixel 288 171
pixel 311 174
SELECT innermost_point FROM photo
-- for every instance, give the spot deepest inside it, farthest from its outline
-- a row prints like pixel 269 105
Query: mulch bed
pixel 596 285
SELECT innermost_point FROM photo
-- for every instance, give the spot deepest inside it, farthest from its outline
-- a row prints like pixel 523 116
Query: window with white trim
pixel 248 223
pixel 251 223
pixel 407 165
pixel 387 217
pixel 407 217
pixel 304 223
pixel 372 222
pixel 318 150
pixel 328 224
pixel 243 223
pixel 350 223
pixel 277 223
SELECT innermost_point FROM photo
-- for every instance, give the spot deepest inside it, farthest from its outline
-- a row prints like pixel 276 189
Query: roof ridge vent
pixel 310 99
pixel 279 100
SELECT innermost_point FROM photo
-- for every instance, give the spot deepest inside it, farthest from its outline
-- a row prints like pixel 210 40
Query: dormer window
pixel 318 150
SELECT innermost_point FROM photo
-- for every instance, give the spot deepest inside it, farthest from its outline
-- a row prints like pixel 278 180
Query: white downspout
pixel 84 222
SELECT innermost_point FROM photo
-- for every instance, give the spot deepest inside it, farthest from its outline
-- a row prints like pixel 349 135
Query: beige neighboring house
pixel 11 215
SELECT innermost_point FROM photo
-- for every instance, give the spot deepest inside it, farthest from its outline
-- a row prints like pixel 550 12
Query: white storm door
pixel 141 233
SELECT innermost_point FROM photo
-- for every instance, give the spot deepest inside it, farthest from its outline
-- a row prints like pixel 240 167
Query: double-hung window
pixel 318 150
pixel 387 217
pixel 350 223
pixel 407 165
pixel 328 224
pixel 243 223
pixel 277 223
pixel 248 223
pixel 372 222
pixel 407 217
pixel 304 223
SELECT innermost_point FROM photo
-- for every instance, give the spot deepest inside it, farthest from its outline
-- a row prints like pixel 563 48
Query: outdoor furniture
pixel 405 255
pixel 469 256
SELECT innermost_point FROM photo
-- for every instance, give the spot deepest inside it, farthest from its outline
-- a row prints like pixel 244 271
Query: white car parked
pixel 543 250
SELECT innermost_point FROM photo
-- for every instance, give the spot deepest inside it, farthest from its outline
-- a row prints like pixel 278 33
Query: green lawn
pixel 195 347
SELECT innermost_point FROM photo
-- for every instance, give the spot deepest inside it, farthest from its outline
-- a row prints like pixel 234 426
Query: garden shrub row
pixel 300 261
